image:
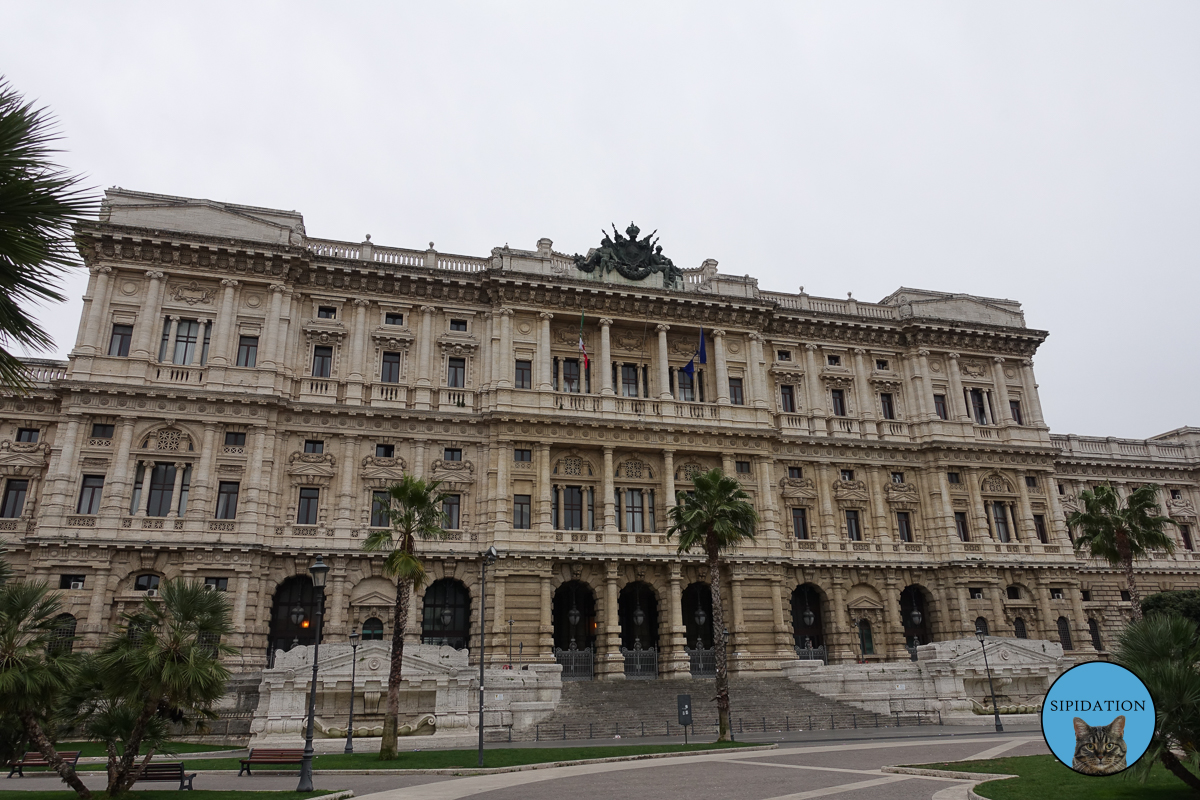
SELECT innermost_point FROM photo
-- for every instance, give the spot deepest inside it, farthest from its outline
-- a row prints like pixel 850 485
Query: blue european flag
pixel 703 351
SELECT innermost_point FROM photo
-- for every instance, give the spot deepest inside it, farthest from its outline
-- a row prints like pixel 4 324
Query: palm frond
pixel 717 514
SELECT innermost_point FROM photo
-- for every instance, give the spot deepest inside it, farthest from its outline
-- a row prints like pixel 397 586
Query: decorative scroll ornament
pixel 635 259
pixel 192 293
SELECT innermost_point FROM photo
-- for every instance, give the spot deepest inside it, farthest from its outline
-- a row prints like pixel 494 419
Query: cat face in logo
pixel 1100 749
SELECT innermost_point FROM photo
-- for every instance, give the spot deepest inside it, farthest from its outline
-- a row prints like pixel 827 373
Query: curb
pixel 343 795
pixel 979 777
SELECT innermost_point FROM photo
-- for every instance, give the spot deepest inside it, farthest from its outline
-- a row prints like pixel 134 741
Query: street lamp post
pixel 510 624
pixel 353 670
pixel 318 570
pixel 488 558
pixel 981 636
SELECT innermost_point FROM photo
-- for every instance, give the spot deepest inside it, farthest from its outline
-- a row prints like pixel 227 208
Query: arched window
pixel 865 642
pixel 64 635
pixel 446 618
pixel 372 630
pixel 981 625
pixel 1019 628
pixel 1094 628
pixel 1064 634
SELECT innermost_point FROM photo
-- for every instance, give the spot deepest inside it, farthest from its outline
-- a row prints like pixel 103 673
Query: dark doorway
pixel 914 614
pixel 808 623
pixel 638 614
pixel 574 616
pixel 446 619
pixel 698 615
pixel 293 616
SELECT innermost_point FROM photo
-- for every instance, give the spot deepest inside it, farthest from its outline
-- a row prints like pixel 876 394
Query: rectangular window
pixel 735 392
pixel 833 361
pixel 187 334
pixel 1039 526
pixel 28 435
pixel 101 430
pixel 1014 408
pixel 1014 592
pixel 979 407
pixel 521 511
pixel 687 387
pixel 572 508
pixel 570 375
pixel 456 373
pixel 847 474
pixel 741 467
pixel 795 472
pixel 326 312
pixel 976 593
pixel 322 361
pixel 634 515
pixel 227 499
pixel 960 526
pixel 1000 520
pixel 458 325
pixel 1125 596
pixel 1176 494
pixel 380 501
pixel 1057 594
pixel 451 507
pixel 629 380
pixel 306 512
pixel 1086 595
pixel 522 454
pixel 247 355
pixel 118 343
pixel 783 355
pixel 897 477
pixel 235 439
pixel 953 477
pixel 314 446
pixel 887 405
pixel 166 339
pixel 391 318
pixel 390 373
pixel 385 450
pixel 1031 481
pixel 939 406
pixel 1185 533
pixel 217 584
pixel 145 583
pixel 71 581
pixel 162 486
pixel 852 528
pixel 800 523
pixel 89 494
pixel 787 399
pixel 524 375
pixel 452 454
pixel 881 364
pixel 904 526
pixel 839 402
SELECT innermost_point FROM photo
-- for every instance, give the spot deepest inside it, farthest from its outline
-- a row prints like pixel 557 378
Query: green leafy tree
pixel 35 670
pixel 714 518
pixel 1184 603
pixel 1121 533
pixel 1163 651
pixel 39 202
pixel 416 514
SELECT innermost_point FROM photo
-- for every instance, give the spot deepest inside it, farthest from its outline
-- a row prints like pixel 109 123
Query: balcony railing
pixel 456 400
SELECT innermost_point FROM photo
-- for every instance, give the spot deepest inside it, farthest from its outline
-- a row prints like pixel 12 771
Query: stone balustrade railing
pixel 1109 447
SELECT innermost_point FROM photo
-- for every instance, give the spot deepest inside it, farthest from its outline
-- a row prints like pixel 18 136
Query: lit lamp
pixel 573 617
pixel 353 669
pixel 981 636
pixel 447 617
pixel 489 558
pixel 916 618
pixel 317 571
pixel 701 618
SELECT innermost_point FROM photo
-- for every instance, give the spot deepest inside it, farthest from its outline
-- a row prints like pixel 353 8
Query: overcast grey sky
pixel 1044 152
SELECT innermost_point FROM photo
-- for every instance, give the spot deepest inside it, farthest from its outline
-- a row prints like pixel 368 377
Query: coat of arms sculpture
pixel 633 258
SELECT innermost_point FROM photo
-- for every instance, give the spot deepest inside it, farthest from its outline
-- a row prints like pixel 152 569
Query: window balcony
pixel 389 395
pixel 456 400
pixel 177 375
pixel 320 390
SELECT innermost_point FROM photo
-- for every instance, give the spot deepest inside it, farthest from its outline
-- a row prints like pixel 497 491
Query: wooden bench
pixel 36 759
pixel 167 771
pixel 263 755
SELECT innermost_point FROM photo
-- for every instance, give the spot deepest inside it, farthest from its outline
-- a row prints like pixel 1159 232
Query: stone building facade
pixel 239 392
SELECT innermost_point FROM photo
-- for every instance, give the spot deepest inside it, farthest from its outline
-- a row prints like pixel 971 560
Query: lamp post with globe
pixel 981 636
pixel 353 674
pixel 317 571
pixel 489 558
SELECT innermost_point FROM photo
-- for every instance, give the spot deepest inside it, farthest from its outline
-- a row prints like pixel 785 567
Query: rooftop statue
pixel 632 257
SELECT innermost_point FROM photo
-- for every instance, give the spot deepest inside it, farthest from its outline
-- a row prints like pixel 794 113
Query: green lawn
pixel 89 749
pixel 1044 776
pixel 164 794
pixel 456 759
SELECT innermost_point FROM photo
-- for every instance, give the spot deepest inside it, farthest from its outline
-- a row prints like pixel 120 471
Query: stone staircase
pixel 604 709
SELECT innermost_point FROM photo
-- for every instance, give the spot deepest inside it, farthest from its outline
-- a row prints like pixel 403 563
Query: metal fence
pixel 812 653
pixel 703 662
pixel 577 665
pixel 640 665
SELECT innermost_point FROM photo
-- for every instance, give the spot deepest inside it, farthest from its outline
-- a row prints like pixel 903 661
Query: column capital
pixel 860 351
pixel 662 327
pixel 998 360
pixel 506 312
pixel 811 347
pixel 608 449
pixel 362 302
pixel 755 336
pixel 952 356
pixel 718 333
pixel 1026 362
pixel 428 310
pixel 228 283
pixel 175 318
pixel 154 275
pixel 545 315
pixel 922 352
pixel 605 322
pixel 100 269
pixel 277 288
pixel 179 465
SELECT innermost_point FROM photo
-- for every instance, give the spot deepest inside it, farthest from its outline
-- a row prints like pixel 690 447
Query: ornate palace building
pixel 240 394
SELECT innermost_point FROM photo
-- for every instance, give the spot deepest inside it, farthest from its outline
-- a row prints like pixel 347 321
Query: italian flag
pixel 582 348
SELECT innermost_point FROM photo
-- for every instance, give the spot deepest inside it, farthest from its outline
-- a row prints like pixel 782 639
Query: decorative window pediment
pixel 573 465
pixel 798 487
pixel 635 469
pixel 323 331
pixel 453 471
pixel 312 468
pixel 850 490
pixel 996 484
pixel 897 493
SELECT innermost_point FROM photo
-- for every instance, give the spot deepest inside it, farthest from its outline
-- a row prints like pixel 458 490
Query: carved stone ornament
pixel 323 331
pixel 457 471
pixel 633 258
pixel 798 487
pixel 192 293
pixel 625 340
pixel 385 463
pixel 850 490
pixel 1180 508
pixel 900 493
pixel 570 337
pixel 973 369
pixel 390 339
pixel 837 381
pixel 996 484
pixel 312 458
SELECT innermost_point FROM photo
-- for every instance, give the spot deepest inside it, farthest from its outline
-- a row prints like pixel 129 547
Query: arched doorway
pixel 293 616
pixel 574 616
pixel 808 622
pixel 637 611
pixel 697 615
pixel 914 616
pixel 446 617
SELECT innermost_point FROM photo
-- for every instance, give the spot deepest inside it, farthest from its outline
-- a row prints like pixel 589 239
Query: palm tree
pixel 39 202
pixel 1120 534
pixel 163 662
pixel 415 512
pixel 34 672
pixel 716 517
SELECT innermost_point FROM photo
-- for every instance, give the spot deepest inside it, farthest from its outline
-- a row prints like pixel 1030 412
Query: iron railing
pixel 812 653
pixel 577 665
pixel 640 665
pixel 703 662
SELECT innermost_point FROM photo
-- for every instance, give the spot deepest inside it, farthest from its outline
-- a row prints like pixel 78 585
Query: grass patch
pixel 1044 776
pixel 90 749
pixel 465 759
pixel 164 794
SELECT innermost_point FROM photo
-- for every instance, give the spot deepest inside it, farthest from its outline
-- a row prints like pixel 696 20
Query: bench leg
pixel 245 769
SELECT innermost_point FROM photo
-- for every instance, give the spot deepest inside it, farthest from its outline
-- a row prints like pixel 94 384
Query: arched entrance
pixel 914 615
pixel 293 616
pixel 574 616
pixel 446 615
pixel 697 615
pixel 808 621
pixel 637 611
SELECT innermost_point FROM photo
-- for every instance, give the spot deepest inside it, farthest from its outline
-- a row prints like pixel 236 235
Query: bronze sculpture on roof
pixel 633 258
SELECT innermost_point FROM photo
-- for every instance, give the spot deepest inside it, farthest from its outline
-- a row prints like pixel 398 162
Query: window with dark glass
pixel 572 508
pixel 522 454
pixel 1061 489
pixel 953 477
pixel 451 507
pixel 1000 520
pixel 235 438
pixel 833 361
pixel 847 474
pixel 1064 634
pixel 783 355
pixel 118 343
pixel 978 406
pixel 839 402
pixel 881 364
pixel 71 581
pixel 795 472
pixel 28 435
pixel 144 583
pixel 904 526
pixel 187 334
pixel 741 467
pixel 852 528
pixel 570 375
pixel 102 430
pixel 314 446
pixel 391 318
pixel 380 502
pixel 524 375
pixel 166 339
pixel 452 454
pixel 1176 494
pixel 1086 595
pixel 887 405
pixel 391 368
pixel 247 355
pixel 687 387
pixel 372 630
pixel 1056 594
pixel 1014 408
pixel 629 380
pixel 326 312
pixel 217 584
pixel 1014 592
pixel 897 477
pixel 89 494
pixel 939 406
pixel 162 486
pixel 634 516
pixel 385 450
pixel 866 643
pixel 456 373
pixel 1125 597
pixel 521 509
pixel 800 523
pixel 227 499
pixel 960 526
pixel 1031 481
pixel 322 361
pixel 1019 629
pixel 1094 630
pixel 981 625
pixel 787 399
pixel 735 392
pixel 1185 533
pixel 975 592
pixel 306 512
pixel 1039 527
pixel 458 324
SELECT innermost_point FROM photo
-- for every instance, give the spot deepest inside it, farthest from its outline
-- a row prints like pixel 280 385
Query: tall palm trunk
pixel 387 748
pixel 718 617
pixel 65 771
pixel 1126 553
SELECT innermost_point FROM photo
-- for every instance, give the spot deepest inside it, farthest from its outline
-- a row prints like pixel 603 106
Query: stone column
pixel 1032 401
pixel 256 497
pixel 1026 508
pixel 239 605
pixel 271 334
pixel 825 498
pixel 116 496
pixel 721 378
pixel 169 355
pixel 675 660
pixel 544 383
pixel 894 636
pixel 144 497
pixel 487 352
pixel 418 465
pixel 543 488
pixel 727 465
pixel 866 398
pixel 424 378
pixel 740 639
pixel 201 489
pixel 98 602
pixel 668 483
pixel 947 507
pixel 611 661
pixel 1003 414
pixel 881 519
pixel 176 489
pixel 337 601
pixel 922 386
pixel 1058 519
pixel 147 320
pixel 218 355
pixel 358 335
pixel 664 382
pixel 957 402
pixel 1081 634
pixel 503 483
pixel 95 313
pixel 843 630
pixel 758 384
pixel 506 356
pixel 766 493
pixel 812 382
pixel 606 387
pixel 63 467
pixel 610 515
pixel 1049 628
pixel 345 504
pixel 980 521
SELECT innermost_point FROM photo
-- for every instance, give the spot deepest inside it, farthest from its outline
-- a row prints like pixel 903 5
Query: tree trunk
pixel 1176 768
pixel 387 748
pixel 65 771
pixel 123 774
pixel 718 612
pixel 1126 553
